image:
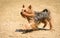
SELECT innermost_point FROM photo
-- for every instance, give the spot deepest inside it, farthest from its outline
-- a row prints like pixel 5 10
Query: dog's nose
pixel 20 12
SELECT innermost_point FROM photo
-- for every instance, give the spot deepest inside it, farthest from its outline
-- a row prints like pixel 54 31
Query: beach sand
pixel 10 18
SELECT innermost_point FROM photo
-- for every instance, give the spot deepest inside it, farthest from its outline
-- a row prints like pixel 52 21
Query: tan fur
pixel 26 13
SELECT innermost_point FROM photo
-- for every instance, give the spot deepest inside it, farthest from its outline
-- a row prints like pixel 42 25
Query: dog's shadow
pixel 30 30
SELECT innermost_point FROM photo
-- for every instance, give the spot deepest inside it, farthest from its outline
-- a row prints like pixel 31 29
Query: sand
pixel 10 18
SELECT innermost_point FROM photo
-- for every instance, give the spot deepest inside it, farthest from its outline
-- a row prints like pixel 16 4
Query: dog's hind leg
pixel 50 24
pixel 45 23
pixel 49 20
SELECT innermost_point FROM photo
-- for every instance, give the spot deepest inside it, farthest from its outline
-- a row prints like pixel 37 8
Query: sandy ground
pixel 10 18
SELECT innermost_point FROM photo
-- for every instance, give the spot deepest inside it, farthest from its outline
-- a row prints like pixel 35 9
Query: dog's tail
pixel 45 10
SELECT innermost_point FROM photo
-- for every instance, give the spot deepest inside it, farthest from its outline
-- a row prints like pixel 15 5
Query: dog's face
pixel 26 10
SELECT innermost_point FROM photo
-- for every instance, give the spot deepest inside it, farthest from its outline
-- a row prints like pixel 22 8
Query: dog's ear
pixel 29 6
pixel 23 6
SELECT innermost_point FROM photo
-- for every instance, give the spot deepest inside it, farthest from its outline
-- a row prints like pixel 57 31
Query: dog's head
pixel 26 10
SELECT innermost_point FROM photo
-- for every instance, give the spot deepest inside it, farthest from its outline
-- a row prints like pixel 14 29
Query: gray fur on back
pixel 41 15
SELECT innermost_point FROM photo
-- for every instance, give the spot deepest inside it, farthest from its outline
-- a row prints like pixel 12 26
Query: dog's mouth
pixel 24 10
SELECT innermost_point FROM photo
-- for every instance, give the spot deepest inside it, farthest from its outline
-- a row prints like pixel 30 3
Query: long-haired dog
pixel 34 17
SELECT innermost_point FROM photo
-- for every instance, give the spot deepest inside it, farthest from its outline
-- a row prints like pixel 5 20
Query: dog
pixel 34 17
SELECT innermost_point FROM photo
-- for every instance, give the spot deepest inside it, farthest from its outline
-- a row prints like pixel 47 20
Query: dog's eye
pixel 24 10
